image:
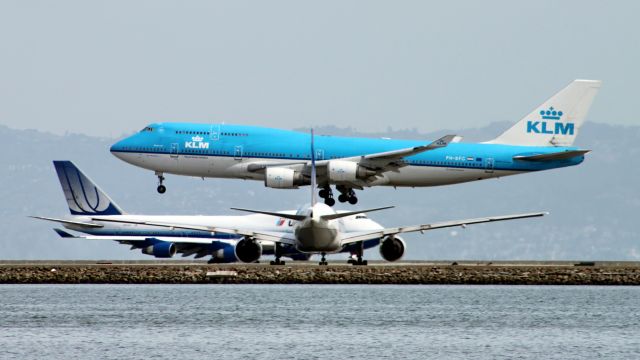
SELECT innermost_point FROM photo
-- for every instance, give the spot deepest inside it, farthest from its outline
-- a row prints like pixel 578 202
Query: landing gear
pixel 161 188
pixel 327 195
pixel 356 258
pixel 278 254
pixel 323 261
pixel 347 194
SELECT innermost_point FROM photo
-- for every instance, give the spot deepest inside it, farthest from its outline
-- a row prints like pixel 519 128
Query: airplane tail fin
pixel 555 122
pixel 83 196
pixel 313 171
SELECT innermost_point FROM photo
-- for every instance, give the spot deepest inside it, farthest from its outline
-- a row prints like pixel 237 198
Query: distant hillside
pixel 593 206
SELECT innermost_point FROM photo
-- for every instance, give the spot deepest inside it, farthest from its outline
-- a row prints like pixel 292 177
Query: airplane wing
pixel 176 240
pixel 389 160
pixel 279 237
pixel 362 236
pixel 186 246
pixel 377 163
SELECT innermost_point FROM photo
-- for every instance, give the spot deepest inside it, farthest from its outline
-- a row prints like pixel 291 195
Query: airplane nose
pixel 118 148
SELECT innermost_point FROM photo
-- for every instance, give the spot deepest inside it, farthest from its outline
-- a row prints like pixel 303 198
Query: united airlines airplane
pixel 542 140
pixel 294 234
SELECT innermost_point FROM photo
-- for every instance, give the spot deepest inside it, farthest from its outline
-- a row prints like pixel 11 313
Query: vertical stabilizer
pixel 83 196
pixel 555 122
pixel 313 172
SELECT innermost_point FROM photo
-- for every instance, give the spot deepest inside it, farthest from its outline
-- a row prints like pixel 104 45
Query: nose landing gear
pixel 161 188
pixel 323 261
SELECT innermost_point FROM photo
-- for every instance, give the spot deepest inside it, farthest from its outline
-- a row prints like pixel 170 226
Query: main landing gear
pixel 323 261
pixel 327 195
pixel 356 258
pixel 278 254
pixel 346 195
pixel 161 188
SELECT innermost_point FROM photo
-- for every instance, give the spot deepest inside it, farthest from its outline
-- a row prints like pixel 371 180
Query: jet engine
pixel 161 249
pixel 392 248
pixel 226 254
pixel 248 250
pixel 282 178
pixel 340 170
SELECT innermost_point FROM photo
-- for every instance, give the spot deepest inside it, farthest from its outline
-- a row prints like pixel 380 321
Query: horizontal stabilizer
pixel 350 213
pixel 64 234
pixel 286 216
pixel 69 222
pixel 562 155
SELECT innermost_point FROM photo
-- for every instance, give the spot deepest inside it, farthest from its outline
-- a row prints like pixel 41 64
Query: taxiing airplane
pixel 313 229
pixel 542 140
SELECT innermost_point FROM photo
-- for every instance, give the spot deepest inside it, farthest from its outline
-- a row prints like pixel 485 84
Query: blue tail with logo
pixel 83 196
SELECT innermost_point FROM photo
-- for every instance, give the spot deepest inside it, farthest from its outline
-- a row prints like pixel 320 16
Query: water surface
pixel 318 322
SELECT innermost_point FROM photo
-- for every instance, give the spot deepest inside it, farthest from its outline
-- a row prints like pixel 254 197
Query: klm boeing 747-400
pixel 542 140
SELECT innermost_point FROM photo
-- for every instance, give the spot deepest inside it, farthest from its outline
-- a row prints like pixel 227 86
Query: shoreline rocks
pixel 313 274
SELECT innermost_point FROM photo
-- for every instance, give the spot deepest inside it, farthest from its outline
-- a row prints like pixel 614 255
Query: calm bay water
pixel 318 322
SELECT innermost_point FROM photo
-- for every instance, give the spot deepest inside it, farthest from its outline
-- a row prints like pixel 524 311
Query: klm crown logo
pixel 196 143
pixel 545 127
pixel 551 114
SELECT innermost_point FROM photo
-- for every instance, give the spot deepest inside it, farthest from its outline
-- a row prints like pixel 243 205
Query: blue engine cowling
pixel 161 249
pixel 247 251
pixel 225 254
pixel 392 248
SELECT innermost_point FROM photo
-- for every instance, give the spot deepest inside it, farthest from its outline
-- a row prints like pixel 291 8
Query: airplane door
pixel 215 132
pixel 488 165
pixel 237 154
pixel 174 150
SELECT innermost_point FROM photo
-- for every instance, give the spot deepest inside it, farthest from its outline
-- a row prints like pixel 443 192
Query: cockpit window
pixel 361 216
pixel 148 128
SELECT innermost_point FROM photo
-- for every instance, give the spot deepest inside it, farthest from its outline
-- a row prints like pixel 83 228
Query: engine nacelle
pixel 340 170
pixel 392 248
pixel 161 249
pixel 282 178
pixel 248 251
pixel 226 254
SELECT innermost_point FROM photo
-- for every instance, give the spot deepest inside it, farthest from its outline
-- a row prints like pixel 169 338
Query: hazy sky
pixel 110 67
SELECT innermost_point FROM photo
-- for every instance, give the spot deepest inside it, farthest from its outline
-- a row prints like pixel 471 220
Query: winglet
pixel 442 142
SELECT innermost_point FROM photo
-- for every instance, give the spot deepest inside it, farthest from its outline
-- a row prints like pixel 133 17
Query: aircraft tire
pixel 161 189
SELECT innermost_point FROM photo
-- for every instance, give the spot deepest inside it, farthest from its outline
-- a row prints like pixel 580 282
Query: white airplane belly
pixel 434 176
